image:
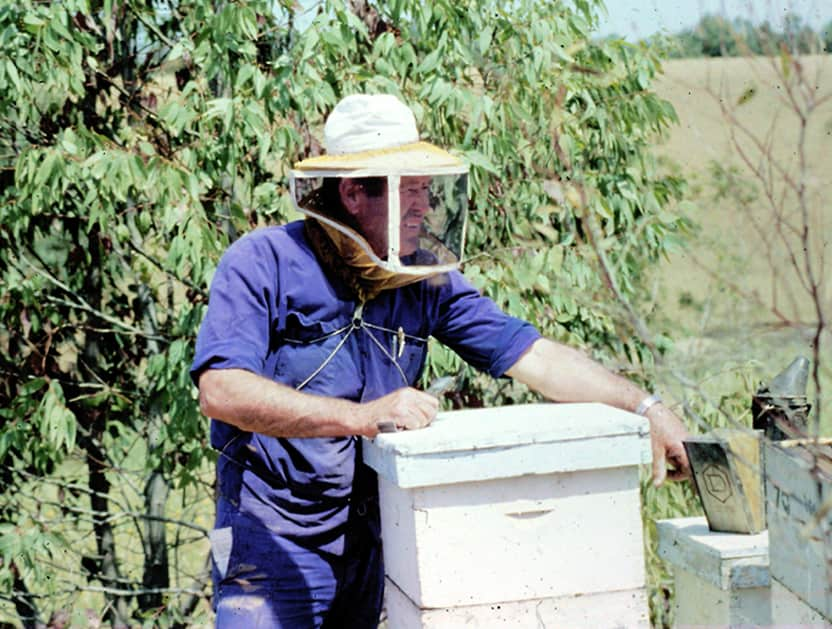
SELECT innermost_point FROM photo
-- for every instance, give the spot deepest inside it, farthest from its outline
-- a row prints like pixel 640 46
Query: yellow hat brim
pixel 418 157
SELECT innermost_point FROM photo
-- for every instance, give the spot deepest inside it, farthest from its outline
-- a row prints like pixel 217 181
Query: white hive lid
pixel 508 441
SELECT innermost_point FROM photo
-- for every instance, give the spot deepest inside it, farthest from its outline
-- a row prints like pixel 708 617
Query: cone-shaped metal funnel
pixel 792 381
pixel 781 408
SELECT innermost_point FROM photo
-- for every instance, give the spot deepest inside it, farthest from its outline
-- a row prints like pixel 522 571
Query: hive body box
pixel 515 516
pixel 800 528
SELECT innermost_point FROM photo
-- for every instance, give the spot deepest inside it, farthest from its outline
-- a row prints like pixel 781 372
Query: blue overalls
pixel 297 537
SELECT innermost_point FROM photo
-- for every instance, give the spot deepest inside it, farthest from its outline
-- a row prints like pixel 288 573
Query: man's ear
pixel 350 192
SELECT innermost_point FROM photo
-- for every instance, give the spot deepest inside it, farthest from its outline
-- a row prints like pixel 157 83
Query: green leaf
pixel 484 39
pixel 333 37
pixel 248 22
pixel 70 142
pixel 220 108
pixel 32 21
pixel 475 158
pixel 430 62
pixel 383 45
pixel 32 386
pixel 47 169
pixel 384 67
pixel 11 71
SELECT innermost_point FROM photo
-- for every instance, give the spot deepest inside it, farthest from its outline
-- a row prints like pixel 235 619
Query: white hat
pixel 376 134
pixel 368 122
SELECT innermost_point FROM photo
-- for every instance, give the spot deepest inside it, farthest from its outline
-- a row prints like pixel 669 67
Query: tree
pixel 763 39
pixel 799 36
pixel 125 134
pixel 718 36
pixel 139 138
pixel 715 36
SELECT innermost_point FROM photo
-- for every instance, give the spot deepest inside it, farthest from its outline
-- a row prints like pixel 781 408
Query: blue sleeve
pixel 475 328
pixel 235 331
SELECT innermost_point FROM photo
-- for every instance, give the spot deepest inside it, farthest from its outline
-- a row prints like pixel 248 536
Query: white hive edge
pixel 504 442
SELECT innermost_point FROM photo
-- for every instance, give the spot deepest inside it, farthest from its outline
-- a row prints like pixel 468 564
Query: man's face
pixel 414 197
pixel 370 212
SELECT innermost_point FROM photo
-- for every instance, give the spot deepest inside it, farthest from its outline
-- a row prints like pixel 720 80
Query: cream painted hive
pixel 515 516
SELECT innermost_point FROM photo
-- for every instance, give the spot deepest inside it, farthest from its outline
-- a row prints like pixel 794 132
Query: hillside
pixel 699 88
pixel 730 294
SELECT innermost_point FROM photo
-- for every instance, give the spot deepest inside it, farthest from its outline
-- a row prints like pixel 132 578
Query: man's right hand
pixel 257 404
pixel 408 409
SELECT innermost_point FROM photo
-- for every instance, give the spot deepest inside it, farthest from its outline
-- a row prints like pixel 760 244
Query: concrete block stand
pixel 513 517
pixel 722 579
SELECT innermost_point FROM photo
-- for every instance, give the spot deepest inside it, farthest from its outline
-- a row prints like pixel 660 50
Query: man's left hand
pixel 666 434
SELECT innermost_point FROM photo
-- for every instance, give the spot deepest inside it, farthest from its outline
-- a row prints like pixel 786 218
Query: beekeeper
pixel 316 334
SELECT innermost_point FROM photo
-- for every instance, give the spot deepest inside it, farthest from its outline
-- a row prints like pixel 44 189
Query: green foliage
pixel 138 139
pixel 671 500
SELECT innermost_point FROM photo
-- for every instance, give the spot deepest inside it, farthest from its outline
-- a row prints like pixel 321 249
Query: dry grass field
pixel 734 295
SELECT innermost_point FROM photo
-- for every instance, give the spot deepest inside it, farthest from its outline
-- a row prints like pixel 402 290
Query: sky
pixel 634 19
